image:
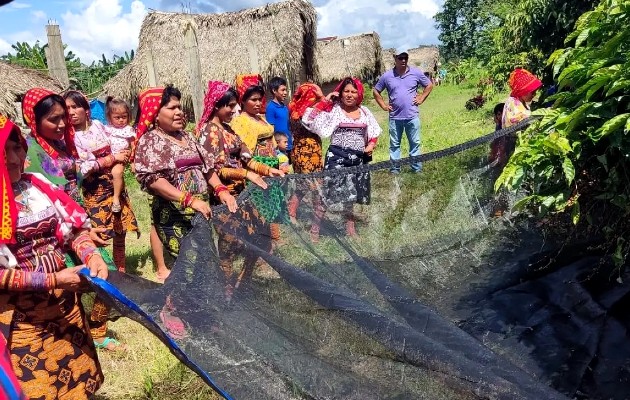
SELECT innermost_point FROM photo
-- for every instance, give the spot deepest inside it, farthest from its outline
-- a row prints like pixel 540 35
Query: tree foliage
pixel 579 152
pixel 87 78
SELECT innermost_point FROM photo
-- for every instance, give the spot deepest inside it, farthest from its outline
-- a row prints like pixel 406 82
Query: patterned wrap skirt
pixel 98 197
pixel 345 188
pixel 52 354
pixel 172 222
pixel 306 155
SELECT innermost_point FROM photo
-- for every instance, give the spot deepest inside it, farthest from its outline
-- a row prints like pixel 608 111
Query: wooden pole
pixel 194 70
pixel 54 55
pixel 151 69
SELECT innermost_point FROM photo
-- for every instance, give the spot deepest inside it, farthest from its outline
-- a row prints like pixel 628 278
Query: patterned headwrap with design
pixel 7 200
pixel 244 82
pixel 327 106
pixel 305 96
pixel 216 90
pixel 30 100
pixel 523 82
pixel 149 103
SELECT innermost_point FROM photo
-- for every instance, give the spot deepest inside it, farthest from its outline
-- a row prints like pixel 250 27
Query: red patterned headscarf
pixel 30 100
pixel 244 82
pixel 216 90
pixel 327 106
pixel 523 82
pixel 304 97
pixel 7 199
pixel 149 103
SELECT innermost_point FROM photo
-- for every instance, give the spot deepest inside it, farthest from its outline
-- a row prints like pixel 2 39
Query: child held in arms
pixel 121 135
pixel 277 113
pixel 282 151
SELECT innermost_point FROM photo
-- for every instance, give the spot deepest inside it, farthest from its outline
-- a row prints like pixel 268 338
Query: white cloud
pixel 38 15
pixel 400 24
pixel 19 5
pixel 5 46
pixel 103 27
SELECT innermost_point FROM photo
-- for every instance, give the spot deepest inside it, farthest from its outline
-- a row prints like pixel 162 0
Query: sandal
pixel 109 344
pixel 116 208
pixel 173 325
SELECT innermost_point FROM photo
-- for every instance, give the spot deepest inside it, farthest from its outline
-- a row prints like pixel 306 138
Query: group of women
pixel 57 195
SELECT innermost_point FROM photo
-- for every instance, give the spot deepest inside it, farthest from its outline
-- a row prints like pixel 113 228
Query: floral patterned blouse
pixel 90 142
pixel 256 134
pixel 184 167
pixel 226 146
pixel 335 122
pixel 514 112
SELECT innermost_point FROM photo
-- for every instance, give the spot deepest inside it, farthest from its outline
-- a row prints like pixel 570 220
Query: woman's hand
pixel 229 200
pixel 97 266
pixel 123 156
pixel 369 149
pixel 202 207
pixel 275 172
pixel 96 238
pixel 69 279
pixel 331 95
pixel 256 179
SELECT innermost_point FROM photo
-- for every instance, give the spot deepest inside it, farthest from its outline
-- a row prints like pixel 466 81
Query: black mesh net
pixel 411 288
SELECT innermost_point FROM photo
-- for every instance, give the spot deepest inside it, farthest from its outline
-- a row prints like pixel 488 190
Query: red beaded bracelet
pixel 219 189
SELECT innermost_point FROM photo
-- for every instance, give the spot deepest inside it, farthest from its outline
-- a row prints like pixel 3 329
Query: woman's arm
pixel 221 191
pixel 17 280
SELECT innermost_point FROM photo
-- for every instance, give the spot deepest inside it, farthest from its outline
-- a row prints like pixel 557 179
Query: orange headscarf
pixel 149 103
pixel 244 82
pixel 7 199
pixel 304 97
pixel 30 100
pixel 523 82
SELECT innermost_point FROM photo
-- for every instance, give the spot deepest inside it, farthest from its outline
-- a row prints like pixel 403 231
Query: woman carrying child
pixel 234 165
pixel 93 142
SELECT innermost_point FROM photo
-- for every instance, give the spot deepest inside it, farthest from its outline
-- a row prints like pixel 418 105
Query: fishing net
pixel 429 291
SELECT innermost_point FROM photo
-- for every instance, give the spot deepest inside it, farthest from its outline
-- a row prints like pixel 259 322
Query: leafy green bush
pixel 579 152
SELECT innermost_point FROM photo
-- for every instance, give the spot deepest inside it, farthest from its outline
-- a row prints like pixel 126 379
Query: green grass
pixel 148 371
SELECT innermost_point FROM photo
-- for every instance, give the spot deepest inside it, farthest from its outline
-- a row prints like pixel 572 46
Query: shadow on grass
pixel 137 260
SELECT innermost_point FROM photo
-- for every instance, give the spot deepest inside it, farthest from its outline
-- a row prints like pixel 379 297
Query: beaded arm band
pixel 232 174
pixel 220 188
pixel 258 167
pixel 186 199
pixel 19 280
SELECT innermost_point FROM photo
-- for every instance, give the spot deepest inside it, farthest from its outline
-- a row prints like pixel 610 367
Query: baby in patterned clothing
pixel 121 136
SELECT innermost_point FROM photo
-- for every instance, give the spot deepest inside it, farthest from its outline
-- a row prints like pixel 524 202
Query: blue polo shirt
pixel 278 116
pixel 402 90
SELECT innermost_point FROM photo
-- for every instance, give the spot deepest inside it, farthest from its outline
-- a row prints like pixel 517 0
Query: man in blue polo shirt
pixel 402 84
pixel 277 113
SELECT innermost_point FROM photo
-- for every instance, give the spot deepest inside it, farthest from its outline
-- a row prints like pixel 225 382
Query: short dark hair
pixel 169 91
pixel 78 98
pixel 251 91
pixel 15 135
pixel 275 83
pixel 279 135
pixel 43 107
pixel 227 97
pixel 499 108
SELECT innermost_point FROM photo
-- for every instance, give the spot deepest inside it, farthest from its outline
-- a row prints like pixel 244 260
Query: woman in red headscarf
pixel 235 166
pixel 523 85
pixel 353 132
pixel 52 152
pixel 40 312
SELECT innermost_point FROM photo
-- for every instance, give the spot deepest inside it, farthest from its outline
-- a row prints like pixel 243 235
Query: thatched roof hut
pixel 425 57
pixel 277 39
pixel 15 81
pixel 388 58
pixel 356 55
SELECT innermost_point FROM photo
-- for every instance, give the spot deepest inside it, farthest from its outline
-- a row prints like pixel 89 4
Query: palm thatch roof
pixel 388 58
pixel 15 81
pixel 425 57
pixel 275 40
pixel 357 55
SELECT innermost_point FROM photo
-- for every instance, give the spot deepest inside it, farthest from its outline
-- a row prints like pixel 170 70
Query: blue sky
pixel 93 27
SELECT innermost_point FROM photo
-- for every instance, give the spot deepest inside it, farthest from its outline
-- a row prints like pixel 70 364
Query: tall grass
pixel 147 370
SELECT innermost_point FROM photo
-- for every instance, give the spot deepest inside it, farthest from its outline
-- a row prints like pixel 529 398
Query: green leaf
pixel 582 37
pixel 617 86
pixel 613 124
pixel 568 169
pixel 575 213
pixel 560 62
